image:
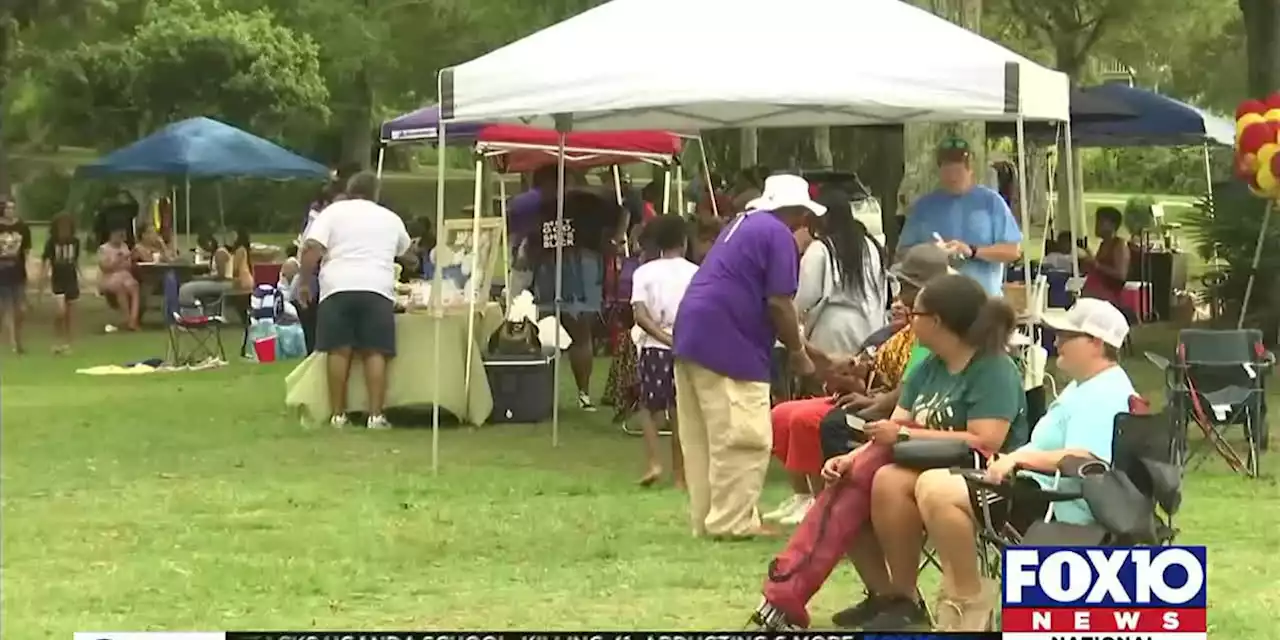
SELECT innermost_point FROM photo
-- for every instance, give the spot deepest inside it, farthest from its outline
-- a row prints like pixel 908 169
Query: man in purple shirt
pixel 739 303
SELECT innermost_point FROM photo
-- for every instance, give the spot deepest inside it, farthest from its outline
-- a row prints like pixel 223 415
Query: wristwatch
pixel 904 434
pixel 973 252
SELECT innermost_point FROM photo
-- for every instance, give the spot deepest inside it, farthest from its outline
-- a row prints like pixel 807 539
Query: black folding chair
pixel 1144 449
pixel 1218 381
pixel 194 333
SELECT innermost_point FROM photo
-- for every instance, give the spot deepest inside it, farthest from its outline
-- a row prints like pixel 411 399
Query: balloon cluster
pixel 1258 145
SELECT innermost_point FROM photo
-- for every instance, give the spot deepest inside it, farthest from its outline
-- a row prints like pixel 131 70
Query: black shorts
pixel 1021 508
pixel 67 286
pixel 357 320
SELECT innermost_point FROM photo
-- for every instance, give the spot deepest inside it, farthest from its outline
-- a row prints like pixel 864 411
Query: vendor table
pixel 410 375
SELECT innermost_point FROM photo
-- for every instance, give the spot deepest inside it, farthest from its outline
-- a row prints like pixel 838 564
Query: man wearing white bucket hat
pixel 739 303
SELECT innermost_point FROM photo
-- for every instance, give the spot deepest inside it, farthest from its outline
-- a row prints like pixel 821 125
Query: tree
pixel 186 59
pixel 1262 29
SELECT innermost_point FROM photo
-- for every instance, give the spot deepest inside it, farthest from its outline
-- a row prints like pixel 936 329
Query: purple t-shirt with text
pixel 723 322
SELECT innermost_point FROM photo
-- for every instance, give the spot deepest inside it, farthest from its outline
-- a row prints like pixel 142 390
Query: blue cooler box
pixel 523 387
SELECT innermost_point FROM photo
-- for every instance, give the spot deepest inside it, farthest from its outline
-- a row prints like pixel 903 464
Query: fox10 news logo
pixel 1096 593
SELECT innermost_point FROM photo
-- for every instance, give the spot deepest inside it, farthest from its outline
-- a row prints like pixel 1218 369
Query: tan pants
pixel 726 435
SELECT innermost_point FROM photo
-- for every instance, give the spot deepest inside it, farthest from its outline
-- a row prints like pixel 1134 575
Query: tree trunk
pixel 1262 30
pixel 749 149
pixel 4 106
pixel 822 147
pixel 357 127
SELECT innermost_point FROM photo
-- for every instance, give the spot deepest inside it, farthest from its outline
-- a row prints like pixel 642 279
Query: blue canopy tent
pixel 203 148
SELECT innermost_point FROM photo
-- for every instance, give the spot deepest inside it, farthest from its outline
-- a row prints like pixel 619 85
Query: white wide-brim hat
pixel 786 190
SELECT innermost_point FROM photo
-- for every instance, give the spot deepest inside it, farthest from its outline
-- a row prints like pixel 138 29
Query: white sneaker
pixel 798 513
pixel 785 508
pixel 377 422
pixel 338 420
pixel 584 402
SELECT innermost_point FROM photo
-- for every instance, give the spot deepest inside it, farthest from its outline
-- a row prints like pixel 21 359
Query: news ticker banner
pixel 1047 593
pixel 603 635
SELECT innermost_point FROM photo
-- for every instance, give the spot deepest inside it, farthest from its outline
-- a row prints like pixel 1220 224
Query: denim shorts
pixel 581 285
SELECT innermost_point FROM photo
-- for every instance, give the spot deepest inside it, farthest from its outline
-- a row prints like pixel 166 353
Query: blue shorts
pixel 581 285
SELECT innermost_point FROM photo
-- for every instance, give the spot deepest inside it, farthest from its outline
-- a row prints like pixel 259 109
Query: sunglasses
pixel 954 144
pixel 1063 337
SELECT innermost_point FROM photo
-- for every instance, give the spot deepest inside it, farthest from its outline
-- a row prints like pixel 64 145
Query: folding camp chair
pixel 194 333
pixel 1144 450
pixel 1217 380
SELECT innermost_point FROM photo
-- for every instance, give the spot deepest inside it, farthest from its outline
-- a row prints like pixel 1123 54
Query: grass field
pixel 192 501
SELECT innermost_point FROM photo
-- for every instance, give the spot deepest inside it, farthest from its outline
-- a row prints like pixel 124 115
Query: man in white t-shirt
pixel 656 290
pixel 356 242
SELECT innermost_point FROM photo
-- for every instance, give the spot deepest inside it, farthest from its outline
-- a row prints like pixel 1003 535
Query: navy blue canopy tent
pixel 1161 122
pixel 204 148
pixel 423 125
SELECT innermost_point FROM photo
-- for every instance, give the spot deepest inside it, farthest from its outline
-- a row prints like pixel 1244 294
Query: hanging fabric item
pixel 164 218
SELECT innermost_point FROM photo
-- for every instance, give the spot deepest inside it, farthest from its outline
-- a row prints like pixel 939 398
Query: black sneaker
pixel 898 614
pixel 863 612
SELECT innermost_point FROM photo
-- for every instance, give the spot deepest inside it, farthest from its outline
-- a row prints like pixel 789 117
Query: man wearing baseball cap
pixel 739 303
pixel 971 221
pixel 1079 423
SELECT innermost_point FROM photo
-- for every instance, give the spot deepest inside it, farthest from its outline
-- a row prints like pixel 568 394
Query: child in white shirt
pixel 656 290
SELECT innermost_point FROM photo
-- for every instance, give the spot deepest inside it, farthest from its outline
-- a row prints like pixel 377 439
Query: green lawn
pixel 191 501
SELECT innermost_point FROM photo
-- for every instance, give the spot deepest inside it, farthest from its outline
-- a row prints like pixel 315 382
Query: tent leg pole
pixel 382 155
pixel 1257 257
pixel 681 207
pixel 437 303
pixel 187 198
pixel 555 407
pixel 1022 199
pixel 507 258
pixel 1208 174
pixel 475 267
pixel 706 174
pixel 666 191
pixel 1072 217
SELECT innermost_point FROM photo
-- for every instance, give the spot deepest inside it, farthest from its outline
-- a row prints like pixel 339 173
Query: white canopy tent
pixel 893 63
pixel 795 64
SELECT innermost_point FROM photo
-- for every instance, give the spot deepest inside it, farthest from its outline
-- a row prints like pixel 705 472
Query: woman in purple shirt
pixel 739 303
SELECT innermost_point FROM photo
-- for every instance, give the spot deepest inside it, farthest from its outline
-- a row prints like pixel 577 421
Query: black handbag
pixel 1118 505
pixel 923 455
pixel 516 338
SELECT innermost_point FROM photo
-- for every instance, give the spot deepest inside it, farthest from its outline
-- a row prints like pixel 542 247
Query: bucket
pixel 265 349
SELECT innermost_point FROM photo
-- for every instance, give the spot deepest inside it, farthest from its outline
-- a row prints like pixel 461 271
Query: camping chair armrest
pixel 1081 466
pixel 1268 361
pixel 1162 363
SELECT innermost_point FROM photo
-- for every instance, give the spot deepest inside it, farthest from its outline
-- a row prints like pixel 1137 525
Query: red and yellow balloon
pixel 1258 145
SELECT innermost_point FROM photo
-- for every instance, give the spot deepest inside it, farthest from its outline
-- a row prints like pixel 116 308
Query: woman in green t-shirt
pixel 967 389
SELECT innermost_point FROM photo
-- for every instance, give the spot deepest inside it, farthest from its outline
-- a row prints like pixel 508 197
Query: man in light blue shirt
pixel 971 221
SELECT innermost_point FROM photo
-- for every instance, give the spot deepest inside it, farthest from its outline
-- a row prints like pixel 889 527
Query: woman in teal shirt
pixel 1079 423
pixel 967 389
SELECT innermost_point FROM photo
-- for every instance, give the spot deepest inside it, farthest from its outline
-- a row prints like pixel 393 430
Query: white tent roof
pixel 705 64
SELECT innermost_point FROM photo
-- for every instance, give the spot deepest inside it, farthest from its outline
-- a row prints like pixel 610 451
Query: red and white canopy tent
pixel 514 148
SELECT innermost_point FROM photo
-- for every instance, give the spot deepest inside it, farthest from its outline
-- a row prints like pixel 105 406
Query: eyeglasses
pixel 1063 337
pixel 913 314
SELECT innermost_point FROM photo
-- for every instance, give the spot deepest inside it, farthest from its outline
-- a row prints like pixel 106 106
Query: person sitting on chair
pixel 808 432
pixel 115 264
pixel 1078 423
pixel 231 273
pixel 151 247
pixel 967 390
